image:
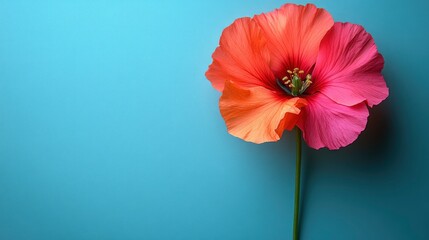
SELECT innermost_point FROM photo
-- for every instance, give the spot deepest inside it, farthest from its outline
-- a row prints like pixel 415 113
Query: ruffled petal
pixel 294 33
pixel 326 123
pixel 241 57
pixel 258 114
pixel 348 67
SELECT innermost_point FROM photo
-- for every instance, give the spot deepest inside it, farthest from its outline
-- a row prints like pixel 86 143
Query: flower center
pixel 293 84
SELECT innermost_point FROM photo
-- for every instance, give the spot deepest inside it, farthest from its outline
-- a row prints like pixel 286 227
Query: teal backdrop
pixel 110 130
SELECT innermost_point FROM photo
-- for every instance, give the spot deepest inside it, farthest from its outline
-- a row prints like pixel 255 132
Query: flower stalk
pixel 297 184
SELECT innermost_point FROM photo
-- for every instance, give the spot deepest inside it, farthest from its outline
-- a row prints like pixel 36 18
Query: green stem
pixel 297 183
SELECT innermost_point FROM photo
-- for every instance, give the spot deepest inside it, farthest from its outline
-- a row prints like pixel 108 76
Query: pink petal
pixel 294 33
pixel 348 67
pixel 257 114
pixel 326 123
pixel 241 57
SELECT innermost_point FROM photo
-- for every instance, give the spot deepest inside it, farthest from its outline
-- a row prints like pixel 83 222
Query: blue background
pixel 109 130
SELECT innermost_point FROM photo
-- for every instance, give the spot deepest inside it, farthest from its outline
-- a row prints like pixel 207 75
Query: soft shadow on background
pixel 109 130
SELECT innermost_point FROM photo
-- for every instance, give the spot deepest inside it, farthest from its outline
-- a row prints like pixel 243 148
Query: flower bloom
pixel 295 67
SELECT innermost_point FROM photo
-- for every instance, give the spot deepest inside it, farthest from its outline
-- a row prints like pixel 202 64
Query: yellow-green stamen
pixel 293 84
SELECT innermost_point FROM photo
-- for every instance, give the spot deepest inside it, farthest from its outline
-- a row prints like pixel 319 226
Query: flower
pixel 295 67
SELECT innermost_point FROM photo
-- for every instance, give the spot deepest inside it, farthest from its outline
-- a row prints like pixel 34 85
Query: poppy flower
pixel 295 66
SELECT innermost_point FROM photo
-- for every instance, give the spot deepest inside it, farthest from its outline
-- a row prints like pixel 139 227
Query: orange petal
pixel 294 33
pixel 258 114
pixel 241 57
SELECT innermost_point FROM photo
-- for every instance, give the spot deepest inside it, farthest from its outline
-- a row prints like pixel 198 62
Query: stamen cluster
pixel 293 84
